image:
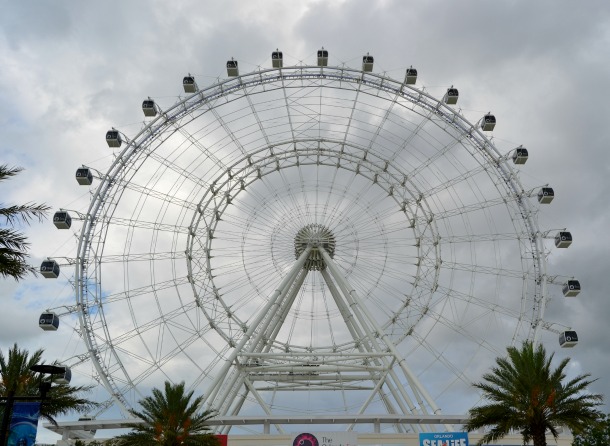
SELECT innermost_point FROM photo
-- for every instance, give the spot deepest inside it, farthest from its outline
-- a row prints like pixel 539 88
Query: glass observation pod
pixel 62 220
pixel 452 95
pixel 568 339
pixel 410 76
pixel 277 59
pixel 232 69
pixel 88 418
pixel 189 84
pixel 84 176
pixel 322 58
pixel 367 63
pixel 148 107
pixel 488 122
pixel 520 155
pixel 64 378
pixel 563 239
pixel 546 195
pixel 49 269
pixel 113 138
pixel 48 321
pixel 571 288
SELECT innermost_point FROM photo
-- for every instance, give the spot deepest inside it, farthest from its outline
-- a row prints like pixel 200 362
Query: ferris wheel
pixel 310 239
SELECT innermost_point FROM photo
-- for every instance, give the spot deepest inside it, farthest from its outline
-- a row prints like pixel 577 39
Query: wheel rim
pixel 198 216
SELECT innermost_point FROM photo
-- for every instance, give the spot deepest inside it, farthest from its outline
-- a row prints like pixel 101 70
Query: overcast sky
pixel 70 70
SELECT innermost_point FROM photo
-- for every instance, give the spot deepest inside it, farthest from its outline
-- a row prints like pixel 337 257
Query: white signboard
pixel 326 439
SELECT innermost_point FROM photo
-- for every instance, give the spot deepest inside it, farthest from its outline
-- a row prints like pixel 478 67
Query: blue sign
pixel 24 423
pixel 443 439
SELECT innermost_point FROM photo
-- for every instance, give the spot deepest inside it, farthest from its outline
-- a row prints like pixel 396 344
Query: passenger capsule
pixel 568 339
pixel 367 63
pixel 563 239
pixel 88 418
pixel 546 195
pixel 452 95
pixel 571 288
pixel 148 107
pixel 520 155
pixel 232 69
pixel 48 321
pixel 488 122
pixel 277 59
pixel 63 378
pixel 410 76
pixel 189 84
pixel 322 58
pixel 62 220
pixel 113 138
pixel 84 176
pixel 49 269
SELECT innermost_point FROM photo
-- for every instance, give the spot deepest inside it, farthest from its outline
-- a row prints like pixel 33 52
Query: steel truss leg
pixel 264 315
pixel 371 339
pixel 364 315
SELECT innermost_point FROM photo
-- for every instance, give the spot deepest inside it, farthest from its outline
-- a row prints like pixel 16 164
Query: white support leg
pixel 264 313
pixel 392 383
pixel 420 389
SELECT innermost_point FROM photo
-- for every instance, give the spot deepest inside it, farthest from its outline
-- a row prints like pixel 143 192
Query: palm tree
pixel 526 395
pixel 595 435
pixel 171 418
pixel 17 379
pixel 13 244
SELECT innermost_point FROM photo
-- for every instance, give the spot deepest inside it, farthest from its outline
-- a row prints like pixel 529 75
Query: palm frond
pixel 7 172
pixel 13 244
pixel 527 395
pixel 170 418
pixel 25 212
pixel 16 376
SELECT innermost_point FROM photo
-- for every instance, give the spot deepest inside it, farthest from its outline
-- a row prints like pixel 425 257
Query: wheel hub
pixel 316 236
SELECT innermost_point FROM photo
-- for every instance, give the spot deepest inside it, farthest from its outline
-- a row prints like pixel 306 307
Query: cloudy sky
pixel 71 70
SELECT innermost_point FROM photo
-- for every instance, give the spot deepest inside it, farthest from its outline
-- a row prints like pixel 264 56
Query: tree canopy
pixel 13 243
pixel 16 377
pixel 597 434
pixel 525 394
pixel 170 418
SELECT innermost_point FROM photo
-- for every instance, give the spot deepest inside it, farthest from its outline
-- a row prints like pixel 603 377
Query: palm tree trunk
pixel 539 437
pixel 6 417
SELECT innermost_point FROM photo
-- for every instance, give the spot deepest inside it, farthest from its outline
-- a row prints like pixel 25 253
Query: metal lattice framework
pixel 309 240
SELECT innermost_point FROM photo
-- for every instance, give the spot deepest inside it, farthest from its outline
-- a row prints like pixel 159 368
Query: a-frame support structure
pixel 371 363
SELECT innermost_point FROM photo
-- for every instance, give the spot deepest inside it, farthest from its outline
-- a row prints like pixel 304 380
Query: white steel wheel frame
pixel 420 255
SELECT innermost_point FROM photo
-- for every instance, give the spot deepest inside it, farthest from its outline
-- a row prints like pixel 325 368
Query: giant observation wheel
pixel 309 240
